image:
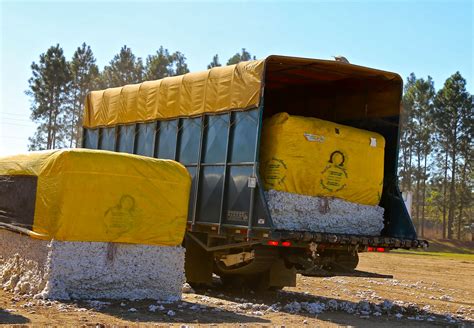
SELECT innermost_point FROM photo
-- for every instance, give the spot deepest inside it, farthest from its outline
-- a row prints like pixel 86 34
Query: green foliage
pixel 123 69
pixel 180 63
pixel 159 65
pixel 240 57
pixel 163 64
pixel 48 89
pixel 215 62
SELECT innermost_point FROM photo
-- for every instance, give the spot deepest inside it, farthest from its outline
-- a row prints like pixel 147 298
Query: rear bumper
pixel 303 237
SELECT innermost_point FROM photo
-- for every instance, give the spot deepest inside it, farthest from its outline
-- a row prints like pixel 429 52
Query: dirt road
pixel 425 291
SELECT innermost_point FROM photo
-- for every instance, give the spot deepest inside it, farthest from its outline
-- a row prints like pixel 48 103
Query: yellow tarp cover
pixel 313 157
pixel 216 90
pixel 90 195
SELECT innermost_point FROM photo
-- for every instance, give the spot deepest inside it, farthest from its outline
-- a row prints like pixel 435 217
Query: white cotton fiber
pixel 296 212
pixel 89 270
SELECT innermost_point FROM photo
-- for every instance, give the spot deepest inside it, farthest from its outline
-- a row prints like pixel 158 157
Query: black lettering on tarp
pixel 274 172
pixel 334 175
pixel 17 199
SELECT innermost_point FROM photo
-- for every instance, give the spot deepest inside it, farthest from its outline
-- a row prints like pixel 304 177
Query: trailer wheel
pixel 344 262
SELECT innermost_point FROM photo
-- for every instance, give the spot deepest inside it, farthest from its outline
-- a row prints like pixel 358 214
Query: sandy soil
pixel 425 291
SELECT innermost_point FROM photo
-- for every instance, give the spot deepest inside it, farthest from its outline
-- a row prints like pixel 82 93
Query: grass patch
pixel 451 246
pixel 454 256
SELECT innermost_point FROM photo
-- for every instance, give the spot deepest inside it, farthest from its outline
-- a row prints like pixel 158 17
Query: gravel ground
pixel 426 291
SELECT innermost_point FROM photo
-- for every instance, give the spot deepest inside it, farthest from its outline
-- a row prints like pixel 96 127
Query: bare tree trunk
pixel 50 119
pixel 417 192
pixel 72 137
pixel 423 199
pixel 462 194
pixel 445 192
pixel 73 120
pixel 80 114
pixel 452 195
pixel 55 118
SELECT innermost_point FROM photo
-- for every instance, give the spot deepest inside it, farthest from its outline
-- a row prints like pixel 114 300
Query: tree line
pixel 436 158
pixel 58 86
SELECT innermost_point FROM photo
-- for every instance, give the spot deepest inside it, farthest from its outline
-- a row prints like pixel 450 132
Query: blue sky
pixel 426 37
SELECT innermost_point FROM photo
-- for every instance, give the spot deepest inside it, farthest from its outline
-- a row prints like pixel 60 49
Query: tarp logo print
pixel 334 175
pixel 123 217
pixel 275 172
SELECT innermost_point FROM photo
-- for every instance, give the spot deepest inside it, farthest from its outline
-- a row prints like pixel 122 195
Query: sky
pixel 425 37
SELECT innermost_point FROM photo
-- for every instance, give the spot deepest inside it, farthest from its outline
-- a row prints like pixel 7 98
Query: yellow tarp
pixel 216 90
pixel 361 92
pixel 310 156
pixel 88 195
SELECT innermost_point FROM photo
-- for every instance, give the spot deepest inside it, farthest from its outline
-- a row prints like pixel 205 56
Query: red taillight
pixel 272 243
pixel 286 243
pixel 376 249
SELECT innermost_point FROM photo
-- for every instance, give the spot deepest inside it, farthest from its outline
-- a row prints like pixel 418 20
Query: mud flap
pixel 280 276
pixel 198 263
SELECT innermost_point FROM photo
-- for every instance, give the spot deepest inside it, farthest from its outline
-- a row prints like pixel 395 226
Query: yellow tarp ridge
pixel 216 90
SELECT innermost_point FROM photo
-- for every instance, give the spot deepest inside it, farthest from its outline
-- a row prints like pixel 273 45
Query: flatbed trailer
pixel 211 122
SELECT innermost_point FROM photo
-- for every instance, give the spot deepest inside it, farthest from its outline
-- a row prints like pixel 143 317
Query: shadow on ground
pixel 182 312
pixel 339 315
pixel 7 317
pixel 207 313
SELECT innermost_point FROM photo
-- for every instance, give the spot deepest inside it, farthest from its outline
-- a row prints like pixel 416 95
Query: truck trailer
pixel 211 122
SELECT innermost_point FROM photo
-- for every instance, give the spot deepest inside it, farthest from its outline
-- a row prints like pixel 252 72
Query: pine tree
pixel 159 65
pixel 123 69
pixel 215 62
pixel 48 88
pixel 240 57
pixel 163 64
pixel 84 73
pixel 453 117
